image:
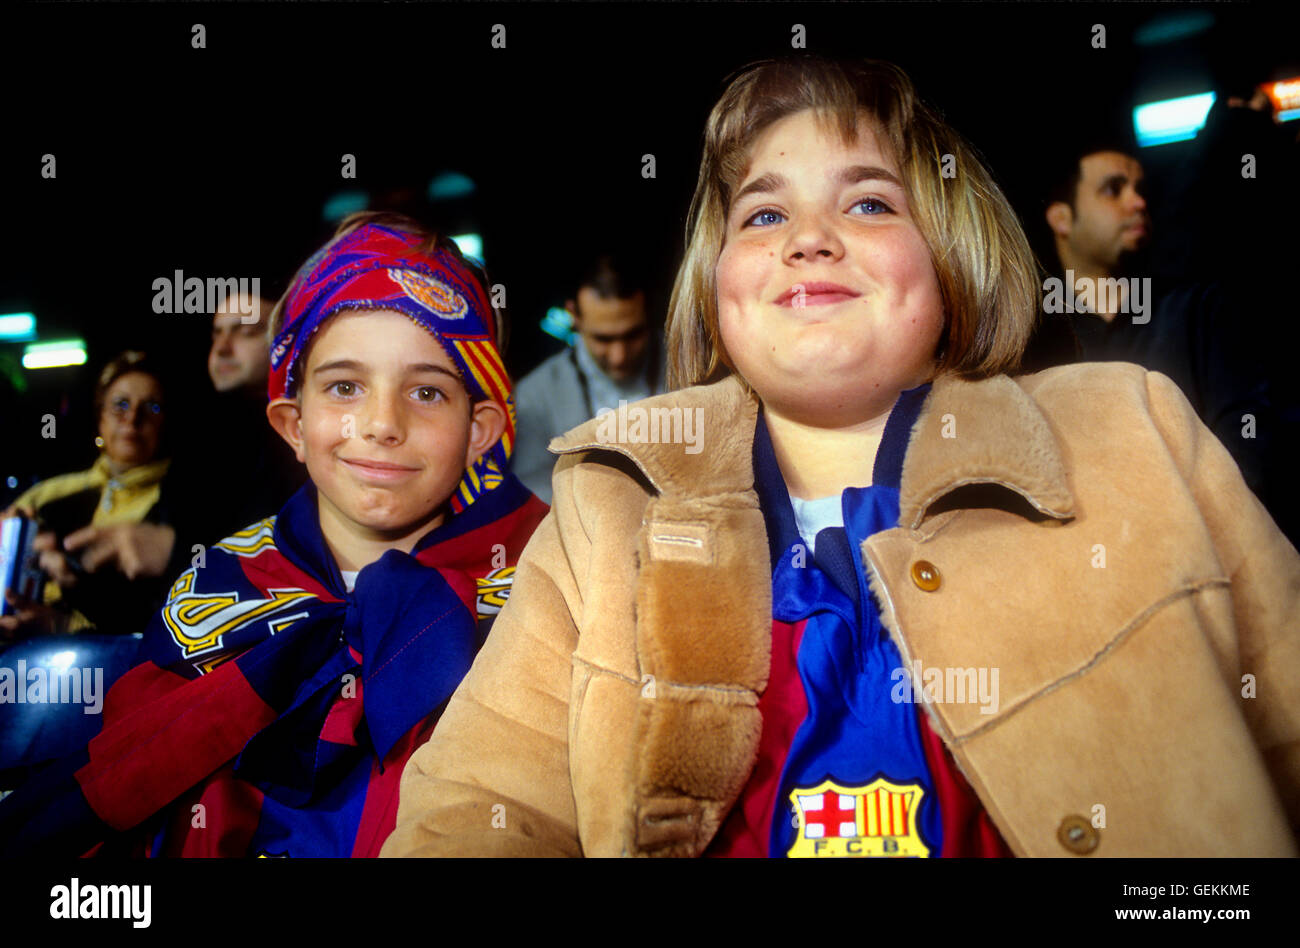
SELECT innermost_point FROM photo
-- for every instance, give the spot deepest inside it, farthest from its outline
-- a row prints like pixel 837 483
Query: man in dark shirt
pixel 1102 305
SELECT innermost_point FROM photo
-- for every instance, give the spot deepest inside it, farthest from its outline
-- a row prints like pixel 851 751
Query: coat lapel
pixel 703 618
pixel 982 433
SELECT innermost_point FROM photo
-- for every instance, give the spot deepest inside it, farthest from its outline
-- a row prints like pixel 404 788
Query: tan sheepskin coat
pixel 1091 540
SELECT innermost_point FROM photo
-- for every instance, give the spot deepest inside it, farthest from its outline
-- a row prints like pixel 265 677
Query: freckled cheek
pixel 324 429
pixel 915 279
pixel 742 272
pixel 740 282
pixel 441 444
pixel 439 436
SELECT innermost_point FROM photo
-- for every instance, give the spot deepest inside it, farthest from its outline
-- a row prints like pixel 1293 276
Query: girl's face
pixel 828 303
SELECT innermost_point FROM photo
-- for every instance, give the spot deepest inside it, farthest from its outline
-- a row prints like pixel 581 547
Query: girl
pixel 1038 615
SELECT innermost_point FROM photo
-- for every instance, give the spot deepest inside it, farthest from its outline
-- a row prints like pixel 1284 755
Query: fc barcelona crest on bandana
pixel 431 293
pixel 878 819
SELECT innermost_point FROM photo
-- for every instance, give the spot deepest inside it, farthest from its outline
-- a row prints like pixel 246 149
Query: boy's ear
pixel 286 418
pixel 1060 218
pixel 486 425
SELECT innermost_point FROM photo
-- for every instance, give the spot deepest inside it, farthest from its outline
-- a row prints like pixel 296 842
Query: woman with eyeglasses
pixel 100 528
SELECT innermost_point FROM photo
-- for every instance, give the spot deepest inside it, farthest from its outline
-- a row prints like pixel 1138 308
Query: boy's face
pixel 828 303
pixel 384 424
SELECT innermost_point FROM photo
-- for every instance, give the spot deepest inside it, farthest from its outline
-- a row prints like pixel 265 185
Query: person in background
pixel 240 356
pixel 616 357
pixel 1188 329
pixel 209 499
pixel 105 531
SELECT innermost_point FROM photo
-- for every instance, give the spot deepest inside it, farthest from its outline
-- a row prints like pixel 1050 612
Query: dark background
pixel 218 161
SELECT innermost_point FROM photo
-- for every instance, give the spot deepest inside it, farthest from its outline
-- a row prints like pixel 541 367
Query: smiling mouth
pixel 379 470
pixel 815 294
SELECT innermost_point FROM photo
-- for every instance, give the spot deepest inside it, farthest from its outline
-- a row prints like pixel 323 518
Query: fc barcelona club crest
pixel 430 292
pixel 878 819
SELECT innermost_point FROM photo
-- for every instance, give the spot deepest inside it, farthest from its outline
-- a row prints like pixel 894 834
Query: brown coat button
pixel 1078 835
pixel 925 575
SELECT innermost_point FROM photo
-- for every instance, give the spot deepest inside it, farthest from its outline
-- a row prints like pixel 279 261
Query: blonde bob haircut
pixel 987 274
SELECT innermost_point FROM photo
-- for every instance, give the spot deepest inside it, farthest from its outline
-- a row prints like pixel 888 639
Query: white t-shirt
pixel 814 516
pixel 349 577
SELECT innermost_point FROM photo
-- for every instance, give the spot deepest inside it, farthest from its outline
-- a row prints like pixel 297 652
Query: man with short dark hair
pixel 1099 218
pixel 614 358
pixel 1104 304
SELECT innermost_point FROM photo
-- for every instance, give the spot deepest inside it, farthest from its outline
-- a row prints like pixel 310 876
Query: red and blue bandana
pixel 377 267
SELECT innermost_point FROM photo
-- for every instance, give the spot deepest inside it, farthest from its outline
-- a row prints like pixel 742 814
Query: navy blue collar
pixel 774 498
pixel 298 535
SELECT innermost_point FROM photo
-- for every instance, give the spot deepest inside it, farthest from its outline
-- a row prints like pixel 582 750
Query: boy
pixel 298 662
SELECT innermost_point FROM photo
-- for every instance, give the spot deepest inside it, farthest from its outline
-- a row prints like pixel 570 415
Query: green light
pixel 471 245
pixel 50 355
pixel 1171 120
pixel 450 185
pixel 17 327
pixel 344 203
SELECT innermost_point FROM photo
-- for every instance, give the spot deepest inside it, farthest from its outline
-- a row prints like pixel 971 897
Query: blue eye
pixel 766 212
pixel 875 202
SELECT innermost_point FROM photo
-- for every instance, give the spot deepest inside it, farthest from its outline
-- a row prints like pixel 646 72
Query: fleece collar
pixel 967 433
pixel 774 497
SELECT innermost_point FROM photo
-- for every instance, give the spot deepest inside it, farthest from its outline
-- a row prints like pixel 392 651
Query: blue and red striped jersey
pixel 845 768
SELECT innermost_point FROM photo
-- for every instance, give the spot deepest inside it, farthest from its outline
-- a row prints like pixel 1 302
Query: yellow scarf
pixel 124 498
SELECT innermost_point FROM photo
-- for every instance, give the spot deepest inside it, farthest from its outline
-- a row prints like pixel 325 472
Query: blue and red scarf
pixel 272 711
